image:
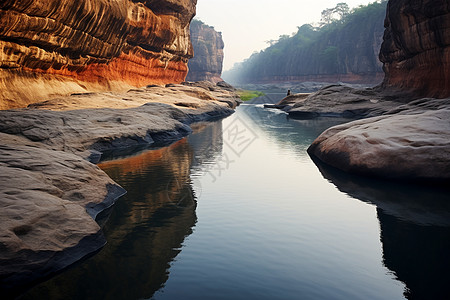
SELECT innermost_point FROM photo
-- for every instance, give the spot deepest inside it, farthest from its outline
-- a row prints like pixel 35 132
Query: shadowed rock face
pixel 52 48
pixel 416 47
pixel 208 53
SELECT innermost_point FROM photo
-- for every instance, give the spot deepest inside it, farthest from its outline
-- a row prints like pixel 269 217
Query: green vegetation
pixel 346 42
pixel 246 95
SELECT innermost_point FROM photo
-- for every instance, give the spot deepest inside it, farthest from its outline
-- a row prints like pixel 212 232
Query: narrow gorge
pixel 109 99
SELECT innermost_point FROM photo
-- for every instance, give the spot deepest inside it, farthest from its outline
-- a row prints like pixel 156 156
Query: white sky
pixel 246 25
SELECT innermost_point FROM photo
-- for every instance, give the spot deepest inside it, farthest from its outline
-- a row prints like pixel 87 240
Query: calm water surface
pixel 239 211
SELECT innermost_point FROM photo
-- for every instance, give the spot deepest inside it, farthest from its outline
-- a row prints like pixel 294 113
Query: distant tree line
pixel 346 42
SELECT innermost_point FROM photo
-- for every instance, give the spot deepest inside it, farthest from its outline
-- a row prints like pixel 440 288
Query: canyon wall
pixel 208 53
pixel 51 48
pixel 416 47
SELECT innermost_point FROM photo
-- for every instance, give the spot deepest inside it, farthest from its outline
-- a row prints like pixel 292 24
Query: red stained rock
pixel 416 47
pixel 50 48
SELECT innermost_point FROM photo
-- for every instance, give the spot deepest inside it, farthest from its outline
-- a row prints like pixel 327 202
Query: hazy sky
pixel 246 25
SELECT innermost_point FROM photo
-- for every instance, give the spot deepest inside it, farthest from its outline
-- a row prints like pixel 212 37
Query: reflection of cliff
pixel 419 256
pixel 415 230
pixel 146 228
pixel 208 53
pixel 287 132
pixel 207 143
pixel 50 48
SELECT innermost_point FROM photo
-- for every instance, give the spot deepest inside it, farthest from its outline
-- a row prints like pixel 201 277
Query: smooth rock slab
pixel 412 143
pixel 44 196
pixel 341 101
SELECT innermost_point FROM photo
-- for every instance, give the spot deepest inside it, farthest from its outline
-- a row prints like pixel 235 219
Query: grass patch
pixel 246 95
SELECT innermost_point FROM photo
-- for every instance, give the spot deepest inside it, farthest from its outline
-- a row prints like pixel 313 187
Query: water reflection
pixel 276 233
pixel 415 230
pixel 414 220
pixel 145 230
pixel 286 132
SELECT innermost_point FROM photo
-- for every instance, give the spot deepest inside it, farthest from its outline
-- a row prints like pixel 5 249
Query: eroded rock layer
pixel 52 48
pixel 208 53
pixel 416 47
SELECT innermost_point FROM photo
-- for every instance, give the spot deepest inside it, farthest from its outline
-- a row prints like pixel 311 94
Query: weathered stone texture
pixel 52 48
pixel 416 47
pixel 208 53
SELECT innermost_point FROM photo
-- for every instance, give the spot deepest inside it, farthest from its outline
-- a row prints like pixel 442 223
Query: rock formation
pixel 411 142
pixel 416 47
pixel 337 101
pixel 50 194
pixel 208 53
pixel 407 136
pixel 50 48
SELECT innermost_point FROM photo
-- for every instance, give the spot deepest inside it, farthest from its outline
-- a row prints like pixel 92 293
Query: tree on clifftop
pixel 337 13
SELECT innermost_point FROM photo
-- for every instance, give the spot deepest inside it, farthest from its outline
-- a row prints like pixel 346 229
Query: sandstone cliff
pixel 416 47
pixel 50 48
pixel 208 53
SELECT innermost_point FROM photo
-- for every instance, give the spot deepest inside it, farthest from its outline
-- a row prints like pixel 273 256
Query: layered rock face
pixel 416 47
pixel 208 53
pixel 52 47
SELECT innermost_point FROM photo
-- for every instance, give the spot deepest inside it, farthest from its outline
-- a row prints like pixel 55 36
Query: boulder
pixel 411 142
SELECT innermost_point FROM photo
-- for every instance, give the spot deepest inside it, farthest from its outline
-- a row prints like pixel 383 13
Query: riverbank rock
pixel 48 203
pixel 411 142
pixel 50 193
pixel 50 48
pixel 341 101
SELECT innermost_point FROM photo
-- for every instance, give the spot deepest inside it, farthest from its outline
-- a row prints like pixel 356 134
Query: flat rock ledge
pixel 50 189
pixel 410 142
pixel 342 101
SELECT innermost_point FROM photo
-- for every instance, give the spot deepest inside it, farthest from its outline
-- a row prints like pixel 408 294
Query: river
pixel 238 210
